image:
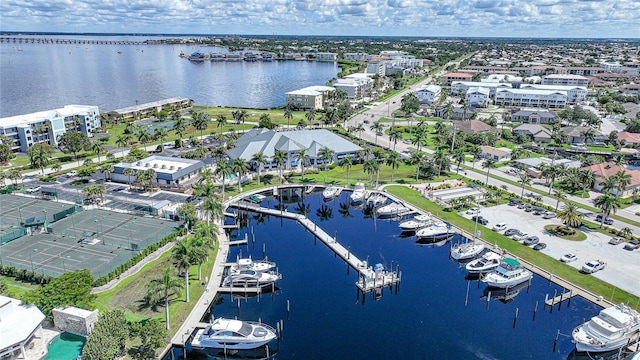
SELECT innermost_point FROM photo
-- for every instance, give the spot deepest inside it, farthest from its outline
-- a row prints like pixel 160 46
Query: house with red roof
pixel 608 169
pixel 449 78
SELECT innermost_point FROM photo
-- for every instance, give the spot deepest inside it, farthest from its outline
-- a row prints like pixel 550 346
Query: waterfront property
pixel 170 172
pixel 535 132
pixel 606 170
pixel 311 97
pixel 149 109
pixel 47 126
pixel 356 87
pixel 18 325
pixel 292 142
pixel 574 93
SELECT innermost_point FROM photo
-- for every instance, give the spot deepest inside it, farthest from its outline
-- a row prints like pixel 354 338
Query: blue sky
pixel 479 18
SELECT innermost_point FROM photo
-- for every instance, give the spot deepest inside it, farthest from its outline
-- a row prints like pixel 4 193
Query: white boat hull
pixel 466 251
pixel 508 283
pixel 267 334
pixel 606 347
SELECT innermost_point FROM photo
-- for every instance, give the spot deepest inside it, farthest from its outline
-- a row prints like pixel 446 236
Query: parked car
pixel 520 237
pixel 72 173
pixel 540 246
pixel 539 211
pixel 480 220
pixel 529 208
pixel 607 220
pixel 511 232
pixel 632 245
pixel 514 201
pixel 593 266
pixel 531 240
pixel 473 211
pixel 616 240
pixel 522 205
pixel 33 189
pixel 499 226
pixel 570 257
pixel 549 215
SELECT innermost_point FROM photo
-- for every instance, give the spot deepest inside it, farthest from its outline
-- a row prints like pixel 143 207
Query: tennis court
pixel 98 240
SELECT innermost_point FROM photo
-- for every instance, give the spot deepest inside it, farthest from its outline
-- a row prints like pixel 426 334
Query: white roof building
pixel 170 171
pixel 565 79
pixel 18 325
pixel 550 99
pixel 477 96
pixel 355 87
pixel 461 87
pixel 574 93
pixel 311 97
pixel 428 94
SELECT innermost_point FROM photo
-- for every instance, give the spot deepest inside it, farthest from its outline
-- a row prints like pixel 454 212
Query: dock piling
pixel 535 310
pixel 515 318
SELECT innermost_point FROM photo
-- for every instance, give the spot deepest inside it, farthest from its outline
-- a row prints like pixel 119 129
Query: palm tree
pixel 370 166
pixel 201 122
pixel 377 127
pixel 183 254
pixel 524 180
pixel 259 159
pixel 560 195
pixel 459 157
pixel 223 170
pixel 623 179
pixel 587 178
pixel 288 114
pixel 394 136
pixel 222 120
pixel 240 116
pixel 123 141
pixel 394 160
pixel 40 155
pixel 240 167
pixel 15 175
pixel 417 159
pixel 179 126
pixel 163 289
pixel 326 154
pixel 310 115
pixel 607 203
pixel 160 134
pixel 201 247
pixel 280 157
pixel 570 215
pixel 609 184
pixel 303 158
pixel 346 162
pixel 144 137
pixel 97 148
pixel 106 169
pixel 475 153
pixel 489 164
pixel 129 172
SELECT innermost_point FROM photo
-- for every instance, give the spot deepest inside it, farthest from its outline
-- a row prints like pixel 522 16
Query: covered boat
pixel 484 264
pixel 233 334
pixel 416 223
pixel 611 329
pixel 509 273
pixel 358 194
pixel 467 250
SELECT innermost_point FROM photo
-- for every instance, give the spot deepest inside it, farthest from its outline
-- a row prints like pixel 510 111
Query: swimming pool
pixel 66 346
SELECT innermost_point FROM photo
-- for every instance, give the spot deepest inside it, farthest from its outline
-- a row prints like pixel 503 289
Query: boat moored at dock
pixel 233 335
pixel 330 192
pixel 509 273
pixel 611 329
pixel 416 223
pixel 359 193
pixel 438 230
pixel 467 250
pixel 392 210
pixel 251 278
pixel 484 264
pixel 250 264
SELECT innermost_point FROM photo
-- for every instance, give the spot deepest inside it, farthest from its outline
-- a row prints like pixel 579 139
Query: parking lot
pixel 621 269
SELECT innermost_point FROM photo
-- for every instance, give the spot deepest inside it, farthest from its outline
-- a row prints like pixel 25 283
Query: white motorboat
pixel 330 192
pixel 418 222
pixel 359 193
pixel 437 231
pixel 467 250
pixel 376 199
pixel 392 210
pixel 233 335
pixel 611 329
pixel 251 278
pixel 250 264
pixel 484 264
pixel 509 273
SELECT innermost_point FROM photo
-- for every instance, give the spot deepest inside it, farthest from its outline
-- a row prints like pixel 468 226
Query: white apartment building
pixel 574 93
pixel 550 99
pixel 428 94
pixel 356 56
pixel 461 87
pixel 390 66
pixel 610 66
pixel 326 56
pixel 565 79
pixel 356 88
pixel 477 96
pixel 311 97
pixel 47 126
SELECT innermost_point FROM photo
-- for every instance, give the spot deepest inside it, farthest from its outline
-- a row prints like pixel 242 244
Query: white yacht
pixel 392 210
pixel 611 329
pixel 484 264
pixel 233 335
pixel 376 199
pixel 250 264
pixel 330 192
pixel 467 250
pixel 359 193
pixel 251 278
pixel 509 273
pixel 438 230
pixel 416 223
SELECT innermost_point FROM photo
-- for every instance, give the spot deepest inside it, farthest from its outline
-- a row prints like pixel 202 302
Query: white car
pixel 499 227
pixel 593 266
pixel 520 237
pixel 567 258
pixel 473 211
pixel 72 173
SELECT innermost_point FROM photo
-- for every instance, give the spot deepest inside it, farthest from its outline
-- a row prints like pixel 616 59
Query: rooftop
pixel 17 321
pixel 164 164
pixel 40 116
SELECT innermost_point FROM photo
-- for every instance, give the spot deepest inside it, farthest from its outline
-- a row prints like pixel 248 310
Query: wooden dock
pixel 558 299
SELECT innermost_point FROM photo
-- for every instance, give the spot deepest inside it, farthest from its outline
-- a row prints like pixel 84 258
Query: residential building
pixel 472 127
pixel 532 116
pixel 532 165
pixel 574 93
pixel 477 96
pixel 170 172
pixel 461 87
pixel 47 126
pixel 535 132
pixel 326 56
pixel 565 79
pixel 550 99
pixel 457 113
pixel 579 70
pixel 490 152
pixel 356 56
pixel 149 109
pixel 577 135
pixel 18 326
pixel 630 89
pixel 610 66
pixel 311 97
pixel 606 170
pixel 292 142
pixel 629 138
pixel 449 78
pixel 502 78
pixel 356 88
pixel 428 94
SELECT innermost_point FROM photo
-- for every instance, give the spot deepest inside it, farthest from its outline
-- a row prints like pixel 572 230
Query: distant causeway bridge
pixel 51 40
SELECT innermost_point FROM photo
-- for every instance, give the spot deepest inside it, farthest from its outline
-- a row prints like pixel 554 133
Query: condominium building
pixel 356 56
pixel 551 99
pixel 574 93
pixel 449 78
pixel 149 109
pixel 356 88
pixel 477 96
pixel 311 97
pixel 47 126
pixel 565 79
pixel 326 56
pixel 461 87
pixel 428 94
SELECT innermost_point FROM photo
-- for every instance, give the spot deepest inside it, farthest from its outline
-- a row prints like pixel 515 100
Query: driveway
pixel 621 270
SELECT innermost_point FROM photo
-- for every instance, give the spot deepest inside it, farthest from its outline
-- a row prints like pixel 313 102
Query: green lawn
pixel 17 288
pixel 550 264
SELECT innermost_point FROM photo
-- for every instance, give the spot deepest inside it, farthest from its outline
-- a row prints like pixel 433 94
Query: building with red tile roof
pixel 608 169
pixel 629 138
pixel 448 78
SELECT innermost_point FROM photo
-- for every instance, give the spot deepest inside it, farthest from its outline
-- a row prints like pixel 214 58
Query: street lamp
pixel 101 230
pixel 64 266
pixel 31 259
pixel 19 213
pixel 73 222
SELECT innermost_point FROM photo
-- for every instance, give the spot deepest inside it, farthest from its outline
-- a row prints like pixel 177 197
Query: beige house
pixel 535 132
pixel 490 152
pixel 311 97
pixel 608 169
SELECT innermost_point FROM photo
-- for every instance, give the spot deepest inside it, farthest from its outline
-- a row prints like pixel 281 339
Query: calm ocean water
pixel 426 319
pixel 36 77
